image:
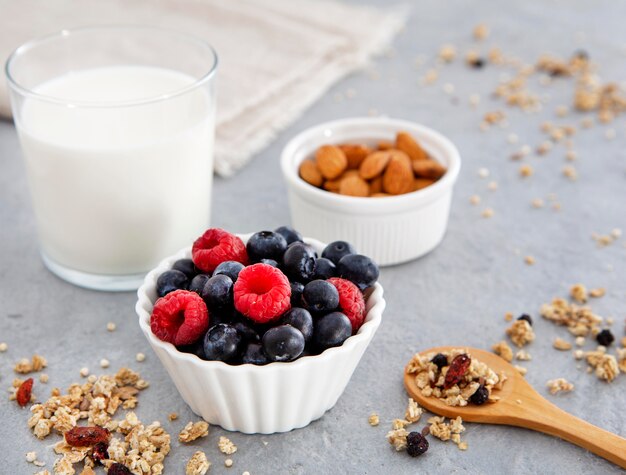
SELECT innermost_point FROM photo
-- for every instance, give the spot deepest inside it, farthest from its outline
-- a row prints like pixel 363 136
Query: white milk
pixel 115 189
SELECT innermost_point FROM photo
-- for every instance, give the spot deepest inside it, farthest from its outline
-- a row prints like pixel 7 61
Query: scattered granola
pixel 578 292
pixel 606 367
pixel 413 411
pixel 228 463
pixel 487 213
pixel 523 355
pixel 521 333
pixel 373 419
pixel 111 326
pixel 436 381
pixel 561 344
pixel 226 446
pixel 530 260
pixel 172 416
pixel 447 430
pixel 3 347
pixel 84 372
pixel 521 370
pixel 193 431
pixel 26 366
pixel 43 378
pixel 104 363
pixel 198 464
pixel 140 357
pixel 597 293
pixel 503 350
pixel 580 321
pixel 559 385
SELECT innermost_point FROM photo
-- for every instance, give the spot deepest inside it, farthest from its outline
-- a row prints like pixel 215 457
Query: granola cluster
pixel 430 379
pixel 521 333
pixel 193 431
pixel 398 434
pixel 26 366
pixel 448 430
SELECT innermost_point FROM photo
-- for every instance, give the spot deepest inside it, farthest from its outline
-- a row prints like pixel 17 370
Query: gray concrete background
pixel 456 295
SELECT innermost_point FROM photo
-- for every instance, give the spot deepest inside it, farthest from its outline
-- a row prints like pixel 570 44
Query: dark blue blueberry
pixel 481 396
pixel 290 234
pixel 218 292
pixel 229 268
pixel 358 269
pixel 247 333
pixel 296 293
pixel 169 281
pixel 299 262
pixel 198 282
pixel 187 267
pixel 254 354
pixel 196 348
pixel 336 250
pixel 320 296
pixel 525 316
pixel 605 337
pixel 283 343
pixel 301 319
pixel 266 245
pixel 324 269
pixel 440 360
pixel 269 262
pixel 222 343
pixel 331 330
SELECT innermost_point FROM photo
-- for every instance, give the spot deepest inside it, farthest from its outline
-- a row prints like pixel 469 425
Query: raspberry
pixel 216 246
pixel 181 317
pixel 262 293
pixel 351 301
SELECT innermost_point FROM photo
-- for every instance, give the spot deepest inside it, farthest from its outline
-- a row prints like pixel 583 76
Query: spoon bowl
pixel 521 406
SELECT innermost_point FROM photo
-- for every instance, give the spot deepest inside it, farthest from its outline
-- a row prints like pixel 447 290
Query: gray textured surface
pixel 456 295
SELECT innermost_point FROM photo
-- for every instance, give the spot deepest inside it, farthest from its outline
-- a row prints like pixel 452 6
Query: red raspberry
pixel 262 293
pixel 351 301
pixel 181 317
pixel 216 246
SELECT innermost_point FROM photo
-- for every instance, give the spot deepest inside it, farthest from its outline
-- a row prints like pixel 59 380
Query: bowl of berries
pixel 261 333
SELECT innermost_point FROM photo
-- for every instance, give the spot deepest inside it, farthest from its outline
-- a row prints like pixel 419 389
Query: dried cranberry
pixel 459 366
pixel 100 452
pixel 86 436
pixel 118 469
pixel 23 394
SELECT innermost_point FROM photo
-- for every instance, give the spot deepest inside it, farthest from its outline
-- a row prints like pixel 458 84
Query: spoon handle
pixel 543 416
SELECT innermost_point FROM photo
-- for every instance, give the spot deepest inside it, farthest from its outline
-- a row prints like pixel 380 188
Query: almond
pixel 428 169
pixel 331 161
pixel 384 144
pixel 420 183
pixel 379 195
pixel 355 153
pixel 310 173
pixel 406 143
pixel 332 185
pixel 354 186
pixel 376 185
pixel 374 164
pixel 398 177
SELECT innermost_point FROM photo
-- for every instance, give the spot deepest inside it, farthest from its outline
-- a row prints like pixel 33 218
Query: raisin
pixel 605 338
pixel 459 366
pixel 480 396
pixel 440 360
pixel 416 444
pixel 86 436
pixel 118 469
pixel 24 392
pixel 100 452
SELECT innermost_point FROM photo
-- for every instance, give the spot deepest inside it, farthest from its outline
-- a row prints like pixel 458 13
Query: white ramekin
pixel 390 230
pixel 253 399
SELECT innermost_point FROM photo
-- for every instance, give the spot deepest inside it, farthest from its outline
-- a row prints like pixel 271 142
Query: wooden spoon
pixel 520 405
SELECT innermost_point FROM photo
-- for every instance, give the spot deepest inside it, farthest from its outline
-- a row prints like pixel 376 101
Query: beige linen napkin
pixel 276 56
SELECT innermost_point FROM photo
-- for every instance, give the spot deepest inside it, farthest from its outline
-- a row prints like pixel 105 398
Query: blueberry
pixel 301 319
pixel 336 250
pixel 221 315
pixel 218 292
pixel 358 269
pixel 526 317
pixel 246 332
pixel 196 348
pixel 324 269
pixel 290 234
pixel 440 360
pixel 283 343
pixel 605 337
pixel 222 343
pixel 254 354
pixel 198 282
pixel 169 281
pixel 310 248
pixel 187 267
pixel 320 296
pixel 269 262
pixel 266 245
pixel 299 262
pixel 331 330
pixel 229 268
pixel 480 396
pixel 296 293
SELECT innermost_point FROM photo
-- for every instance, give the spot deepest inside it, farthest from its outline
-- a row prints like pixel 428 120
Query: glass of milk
pixel 116 126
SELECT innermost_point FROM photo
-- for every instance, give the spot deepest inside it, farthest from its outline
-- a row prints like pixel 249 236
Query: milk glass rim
pixel 35 42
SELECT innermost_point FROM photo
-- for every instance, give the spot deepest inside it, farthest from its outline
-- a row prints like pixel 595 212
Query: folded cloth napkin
pixel 276 56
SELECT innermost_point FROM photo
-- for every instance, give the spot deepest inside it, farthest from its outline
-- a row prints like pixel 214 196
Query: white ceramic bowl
pixel 390 230
pixel 253 399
